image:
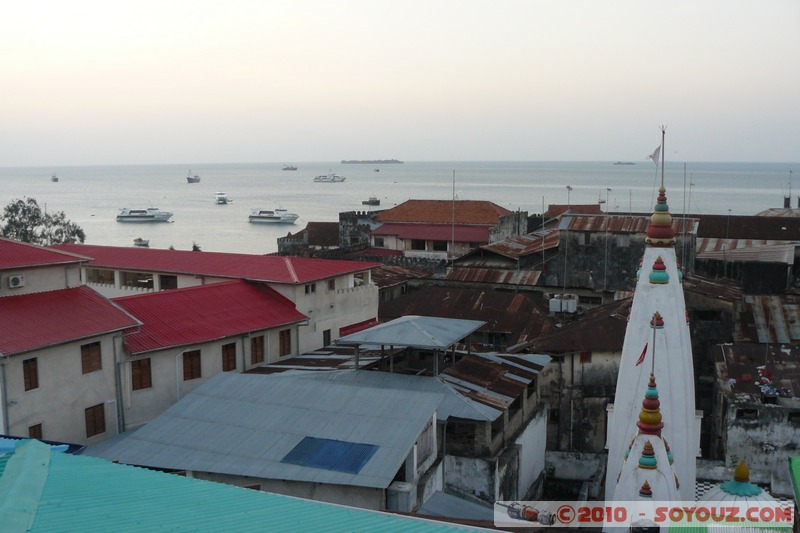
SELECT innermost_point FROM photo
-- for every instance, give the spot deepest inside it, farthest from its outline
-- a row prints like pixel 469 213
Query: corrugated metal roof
pixel 415 331
pixel 390 275
pixel 445 212
pixel 330 454
pixel 553 210
pixel 524 245
pixel 435 232
pixel 15 254
pixel 37 320
pixel 769 319
pixel 204 313
pixel 269 268
pixel 498 276
pixel 244 424
pixel 520 316
pixel 716 288
pixel 713 244
pixel 748 227
pixel 776 253
pixel 623 224
pixel 82 493
pixel 601 329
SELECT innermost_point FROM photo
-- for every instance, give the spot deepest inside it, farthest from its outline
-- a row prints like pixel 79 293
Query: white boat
pixel 54 178
pixel 329 178
pixel 222 198
pixel 144 243
pixel 273 216
pixel 151 214
pixel 192 178
pixel 373 200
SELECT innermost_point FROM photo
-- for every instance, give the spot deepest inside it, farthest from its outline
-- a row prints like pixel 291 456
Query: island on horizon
pixel 371 162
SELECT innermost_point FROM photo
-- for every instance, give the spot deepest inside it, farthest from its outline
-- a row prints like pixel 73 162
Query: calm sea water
pixel 92 195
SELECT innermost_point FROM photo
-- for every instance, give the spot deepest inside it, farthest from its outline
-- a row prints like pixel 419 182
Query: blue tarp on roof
pixel 329 454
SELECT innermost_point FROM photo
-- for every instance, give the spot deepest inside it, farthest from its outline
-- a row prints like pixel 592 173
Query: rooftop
pixel 15 254
pixel 435 232
pixel 204 313
pixel 480 212
pixel 41 319
pixel 268 268
pixel 760 373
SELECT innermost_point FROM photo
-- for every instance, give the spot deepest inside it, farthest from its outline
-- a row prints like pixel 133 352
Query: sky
pixel 155 82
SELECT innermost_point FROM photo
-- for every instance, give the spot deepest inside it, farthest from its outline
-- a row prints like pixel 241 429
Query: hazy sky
pixel 119 82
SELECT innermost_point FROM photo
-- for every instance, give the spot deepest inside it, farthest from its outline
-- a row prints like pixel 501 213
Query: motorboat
pixel 54 178
pixel 289 167
pixel 273 216
pixel 329 178
pixel 373 200
pixel 192 178
pixel 222 198
pixel 143 243
pixel 151 214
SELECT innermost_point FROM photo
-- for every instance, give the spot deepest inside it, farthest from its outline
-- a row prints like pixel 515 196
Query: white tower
pixel 663 349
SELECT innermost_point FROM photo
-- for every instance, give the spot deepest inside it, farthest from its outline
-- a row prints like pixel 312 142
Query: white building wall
pixel 532 443
pixel 39 279
pixel 63 394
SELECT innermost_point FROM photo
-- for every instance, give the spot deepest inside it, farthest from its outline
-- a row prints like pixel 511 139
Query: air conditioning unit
pixel 15 282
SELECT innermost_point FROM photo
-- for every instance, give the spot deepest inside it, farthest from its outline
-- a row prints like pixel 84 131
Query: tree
pixel 24 220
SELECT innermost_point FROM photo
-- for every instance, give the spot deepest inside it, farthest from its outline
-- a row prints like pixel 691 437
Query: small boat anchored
pixel 151 214
pixel 142 243
pixel 272 216
pixel 289 167
pixel 54 178
pixel 221 198
pixel 373 200
pixel 192 178
pixel 330 177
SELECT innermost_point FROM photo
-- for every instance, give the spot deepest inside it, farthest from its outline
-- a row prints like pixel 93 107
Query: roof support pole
pixel 357 356
pixel 435 363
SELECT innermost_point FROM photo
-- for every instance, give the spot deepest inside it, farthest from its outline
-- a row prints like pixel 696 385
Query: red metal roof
pixel 435 232
pixel 445 212
pixel 205 313
pixel 270 268
pixel 358 326
pixel 15 254
pixel 37 320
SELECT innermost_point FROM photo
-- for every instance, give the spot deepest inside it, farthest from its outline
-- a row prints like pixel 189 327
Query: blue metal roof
pixel 331 454
pixel 42 492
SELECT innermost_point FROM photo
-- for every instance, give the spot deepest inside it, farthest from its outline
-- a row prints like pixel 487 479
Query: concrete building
pixel 58 348
pixel 332 294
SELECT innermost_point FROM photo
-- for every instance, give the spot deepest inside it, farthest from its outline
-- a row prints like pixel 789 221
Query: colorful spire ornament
pixel 657 322
pixel 660 232
pixel 646 491
pixel 650 416
pixel 659 275
pixel 648 458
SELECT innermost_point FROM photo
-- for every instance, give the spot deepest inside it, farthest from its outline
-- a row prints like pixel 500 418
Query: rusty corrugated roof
pixel 748 227
pixel 623 224
pixel 715 288
pixel 769 319
pixel 497 276
pixel 524 245
pixel 713 244
pixel 391 275
pixel 554 210
pixel 601 329
pixel 479 212
pixel 775 253
pixel 523 316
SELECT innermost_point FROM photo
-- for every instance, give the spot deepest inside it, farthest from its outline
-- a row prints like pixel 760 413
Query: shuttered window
pixel 30 371
pixel 95 420
pixel 91 359
pixel 191 365
pixel 141 376
pixel 257 350
pixel 229 357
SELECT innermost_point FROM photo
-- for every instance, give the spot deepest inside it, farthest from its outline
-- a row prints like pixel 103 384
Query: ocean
pixel 92 195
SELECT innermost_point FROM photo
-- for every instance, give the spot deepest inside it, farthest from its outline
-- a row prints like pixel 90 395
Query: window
pixel 311 288
pixel 379 242
pixel 30 371
pixel 91 359
pixel 167 282
pixel 417 244
pixel 257 350
pixel 191 365
pixel 138 280
pixel 359 278
pixel 326 337
pixel 95 420
pixel 440 246
pixel 229 357
pixel 331 284
pixel 141 377
pixel 98 275
pixel 285 342
pixel 35 432
pixel 747 414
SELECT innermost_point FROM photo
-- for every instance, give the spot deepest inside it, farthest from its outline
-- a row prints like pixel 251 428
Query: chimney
pixel 787 202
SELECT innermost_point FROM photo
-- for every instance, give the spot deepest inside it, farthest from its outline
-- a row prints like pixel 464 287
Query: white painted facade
pixel 39 279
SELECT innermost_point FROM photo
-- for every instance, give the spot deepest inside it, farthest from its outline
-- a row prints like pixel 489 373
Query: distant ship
pixel 289 167
pixel 624 163
pixel 371 162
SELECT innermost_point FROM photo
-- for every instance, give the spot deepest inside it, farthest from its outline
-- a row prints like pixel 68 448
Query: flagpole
pixel 653 362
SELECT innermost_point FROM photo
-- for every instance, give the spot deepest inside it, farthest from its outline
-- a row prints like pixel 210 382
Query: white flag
pixel 654 155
